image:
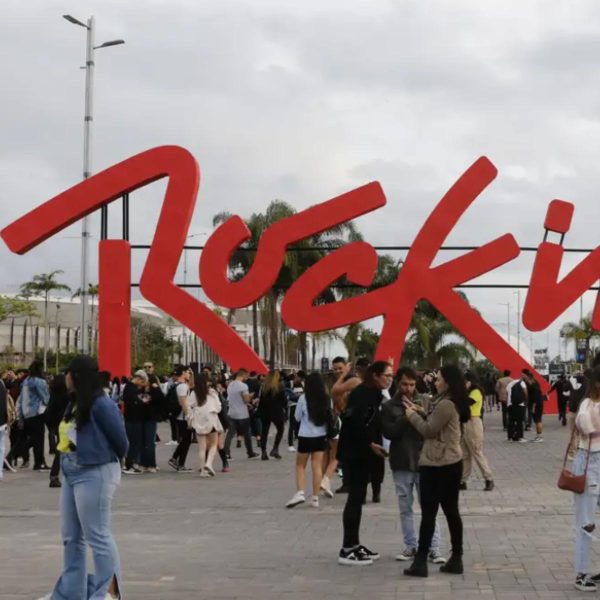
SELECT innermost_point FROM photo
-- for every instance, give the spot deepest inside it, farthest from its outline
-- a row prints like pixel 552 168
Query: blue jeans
pixel 406 482
pixel 85 503
pixel 585 508
pixel 2 443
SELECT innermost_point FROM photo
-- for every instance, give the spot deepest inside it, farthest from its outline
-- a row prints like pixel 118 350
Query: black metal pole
pixel 104 222
pixel 126 216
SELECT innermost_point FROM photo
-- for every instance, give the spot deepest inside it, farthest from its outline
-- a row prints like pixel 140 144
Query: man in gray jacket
pixel 405 447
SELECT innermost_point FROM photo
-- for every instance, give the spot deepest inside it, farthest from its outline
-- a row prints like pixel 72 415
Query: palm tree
pixel 93 291
pixel 581 331
pixel 433 341
pixel 42 285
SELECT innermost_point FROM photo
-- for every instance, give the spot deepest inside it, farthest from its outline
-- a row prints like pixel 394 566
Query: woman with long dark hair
pixel 472 439
pixel 312 413
pixel 92 439
pixel 272 409
pixel 440 465
pixel 205 421
pixel 360 440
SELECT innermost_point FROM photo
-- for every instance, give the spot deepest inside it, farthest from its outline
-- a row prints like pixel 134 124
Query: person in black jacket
pixel 153 409
pixel 272 408
pixel 133 405
pixel 360 438
pixel 59 399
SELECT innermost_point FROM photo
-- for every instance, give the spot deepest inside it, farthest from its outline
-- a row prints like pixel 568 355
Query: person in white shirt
pixel 204 419
pixel 182 381
pixel 588 454
pixel 312 413
pixel 238 398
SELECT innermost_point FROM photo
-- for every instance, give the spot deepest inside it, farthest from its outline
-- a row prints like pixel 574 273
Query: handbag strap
pixel 587 460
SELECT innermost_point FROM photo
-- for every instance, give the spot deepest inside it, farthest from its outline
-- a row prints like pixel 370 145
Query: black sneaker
pixel 173 464
pixel 55 482
pixel 254 455
pixel 353 558
pixel 583 583
pixel 368 553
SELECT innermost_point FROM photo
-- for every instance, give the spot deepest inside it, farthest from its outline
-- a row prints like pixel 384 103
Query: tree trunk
pixel 303 350
pixel 255 327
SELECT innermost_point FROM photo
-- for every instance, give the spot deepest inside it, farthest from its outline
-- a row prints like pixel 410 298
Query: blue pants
pixel 407 482
pixel 85 503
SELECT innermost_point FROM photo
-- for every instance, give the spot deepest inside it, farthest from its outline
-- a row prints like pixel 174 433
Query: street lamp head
pixel 110 43
pixel 75 21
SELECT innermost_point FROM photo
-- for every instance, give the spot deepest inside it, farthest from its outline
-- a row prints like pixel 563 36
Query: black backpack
pixel 517 394
pixel 172 402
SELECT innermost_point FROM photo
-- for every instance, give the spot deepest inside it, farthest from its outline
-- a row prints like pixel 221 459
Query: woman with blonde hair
pixel 272 409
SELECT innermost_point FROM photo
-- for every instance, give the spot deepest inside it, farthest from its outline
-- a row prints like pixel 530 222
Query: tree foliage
pixel 150 342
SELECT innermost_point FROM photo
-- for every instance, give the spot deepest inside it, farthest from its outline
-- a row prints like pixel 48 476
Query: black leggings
pixel 440 487
pixel 266 424
pixel 185 439
pixel 356 478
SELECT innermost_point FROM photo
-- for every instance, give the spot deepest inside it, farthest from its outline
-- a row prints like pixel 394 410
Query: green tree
pixel 581 331
pixel 42 285
pixel 150 342
pixel 15 307
pixel 92 294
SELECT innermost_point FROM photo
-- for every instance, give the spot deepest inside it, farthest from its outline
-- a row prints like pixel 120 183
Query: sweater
pixel 405 441
pixel 588 424
pixel 442 432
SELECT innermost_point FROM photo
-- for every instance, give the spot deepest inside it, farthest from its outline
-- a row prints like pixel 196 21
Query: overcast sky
pixel 304 100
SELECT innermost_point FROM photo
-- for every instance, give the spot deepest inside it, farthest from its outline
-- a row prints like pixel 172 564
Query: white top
pixel 307 427
pixel 238 409
pixel 183 389
pixel 588 424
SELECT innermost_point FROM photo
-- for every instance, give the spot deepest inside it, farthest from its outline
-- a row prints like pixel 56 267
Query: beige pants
pixel 472 446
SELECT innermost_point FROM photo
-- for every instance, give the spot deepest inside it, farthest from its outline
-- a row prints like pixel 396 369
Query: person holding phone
pixel 360 439
pixel 405 448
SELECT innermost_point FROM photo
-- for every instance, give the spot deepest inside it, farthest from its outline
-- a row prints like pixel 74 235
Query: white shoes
pixel 291 449
pixel 314 502
pixel 297 498
pixel 326 486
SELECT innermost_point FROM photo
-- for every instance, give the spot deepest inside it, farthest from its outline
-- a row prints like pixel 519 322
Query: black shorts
pixel 306 445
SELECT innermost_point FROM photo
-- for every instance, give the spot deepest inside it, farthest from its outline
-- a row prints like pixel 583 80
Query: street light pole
pixel 88 119
pixel 518 292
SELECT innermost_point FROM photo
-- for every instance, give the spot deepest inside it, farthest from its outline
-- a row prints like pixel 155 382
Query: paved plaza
pixel 184 538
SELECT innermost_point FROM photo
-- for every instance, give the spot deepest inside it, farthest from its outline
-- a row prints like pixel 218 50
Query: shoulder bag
pixel 568 480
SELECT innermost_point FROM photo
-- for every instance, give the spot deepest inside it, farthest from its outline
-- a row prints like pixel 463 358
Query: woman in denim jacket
pixel 92 439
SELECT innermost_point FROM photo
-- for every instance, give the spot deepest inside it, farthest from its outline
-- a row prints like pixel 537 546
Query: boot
pixel 454 565
pixel 489 485
pixel 264 456
pixel 55 482
pixel 418 568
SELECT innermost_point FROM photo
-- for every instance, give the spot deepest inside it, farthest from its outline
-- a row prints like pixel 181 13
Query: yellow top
pixel 477 397
pixel 66 430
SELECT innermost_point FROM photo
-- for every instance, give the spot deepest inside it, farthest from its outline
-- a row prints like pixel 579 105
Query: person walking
pixel 440 466
pixel 272 409
pixel 238 397
pixel 588 455
pixel 59 399
pixel 204 419
pixel 134 400
pixel 92 440
pixel 516 392
pixel 360 436
pixel 472 438
pixel 31 406
pixel 405 448
pixel 153 409
pixel 501 392
pixel 536 403
pixel 183 377
pixel 312 413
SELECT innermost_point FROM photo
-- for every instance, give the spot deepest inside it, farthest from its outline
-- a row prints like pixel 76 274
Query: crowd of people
pixel 429 426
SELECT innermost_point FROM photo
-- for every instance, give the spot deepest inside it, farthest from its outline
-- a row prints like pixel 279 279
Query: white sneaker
pixel 171 443
pixel 314 502
pixel 353 558
pixel 538 439
pixel 407 554
pixel 46 597
pixel 9 467
pixel 522 441
pixel 436 558
pixel 291 449
pixel 326 486
pixel 297 498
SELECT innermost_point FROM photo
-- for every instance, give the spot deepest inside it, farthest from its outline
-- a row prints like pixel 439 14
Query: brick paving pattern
pixel 230 538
